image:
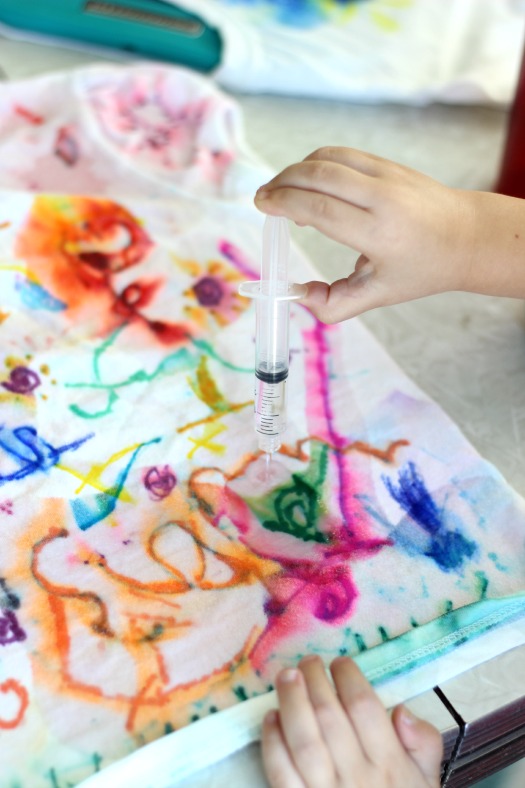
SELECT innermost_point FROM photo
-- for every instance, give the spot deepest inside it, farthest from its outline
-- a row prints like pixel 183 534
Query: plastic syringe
pixel 273 294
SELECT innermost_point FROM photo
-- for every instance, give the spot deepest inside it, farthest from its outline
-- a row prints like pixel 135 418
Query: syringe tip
pixel 269 443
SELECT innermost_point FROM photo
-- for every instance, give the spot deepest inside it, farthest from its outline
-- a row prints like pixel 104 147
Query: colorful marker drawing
pixel 153 569
pixel 313 13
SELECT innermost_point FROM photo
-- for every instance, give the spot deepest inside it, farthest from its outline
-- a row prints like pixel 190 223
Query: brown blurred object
pixel 512 174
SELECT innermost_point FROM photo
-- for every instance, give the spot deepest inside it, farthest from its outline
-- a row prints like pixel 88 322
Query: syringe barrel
pixel 273 294
pixel 272 340
pixel 270 414
pixel 271 371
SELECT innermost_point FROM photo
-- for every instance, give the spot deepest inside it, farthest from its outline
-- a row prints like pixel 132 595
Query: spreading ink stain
pixel 447 547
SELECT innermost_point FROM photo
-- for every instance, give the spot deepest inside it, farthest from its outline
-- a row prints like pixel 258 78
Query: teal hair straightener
pixel 151 28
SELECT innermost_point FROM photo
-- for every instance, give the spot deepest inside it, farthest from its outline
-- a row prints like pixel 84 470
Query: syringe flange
pixel 260 289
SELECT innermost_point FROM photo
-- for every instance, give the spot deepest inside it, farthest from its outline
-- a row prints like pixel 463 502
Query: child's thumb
pixel 421 741
pixel 347 297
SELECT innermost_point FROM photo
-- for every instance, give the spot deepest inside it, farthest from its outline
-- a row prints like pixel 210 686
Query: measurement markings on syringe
pixel 269 406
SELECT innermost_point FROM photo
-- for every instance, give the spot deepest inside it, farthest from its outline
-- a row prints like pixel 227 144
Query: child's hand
pixel 416 237
pixel 320 739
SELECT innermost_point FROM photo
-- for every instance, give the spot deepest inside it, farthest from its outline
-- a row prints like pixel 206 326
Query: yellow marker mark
pixel 383 21
pixel 44 369
pixel 191 267
pixel 214 416
pixel 13 361
pixel 21 270
pixel 20 399
pixel 398 3
pixel 93 476
pixel 205 442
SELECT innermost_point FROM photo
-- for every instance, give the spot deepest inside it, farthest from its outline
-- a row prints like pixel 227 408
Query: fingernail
pixel 262 194
pixel 310 658
pixel 289 675
pixel 408 717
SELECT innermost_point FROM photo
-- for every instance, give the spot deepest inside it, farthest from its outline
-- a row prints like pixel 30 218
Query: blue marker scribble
pixel 104 503
pixel 447 547
pixel 30 452
pixel 36 297
pixel 8 599
pixel 297 13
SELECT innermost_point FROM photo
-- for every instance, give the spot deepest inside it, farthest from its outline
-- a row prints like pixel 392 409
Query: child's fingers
pixel 278 764
pixel 334 724
pixel 347 297
pixel 301 731
pixel 422 742
pixel 359 160
pixel 369 717
pixel 326 177
pixel 340 220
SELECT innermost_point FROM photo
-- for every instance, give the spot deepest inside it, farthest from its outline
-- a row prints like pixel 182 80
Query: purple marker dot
pixel 335 600
pixel 160 482
pixel 21 381
pixel 208 291
pixel 330 606
pixel 10 629
pixel 274 607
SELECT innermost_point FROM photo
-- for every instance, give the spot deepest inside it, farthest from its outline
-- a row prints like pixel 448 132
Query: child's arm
pixel 416 237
